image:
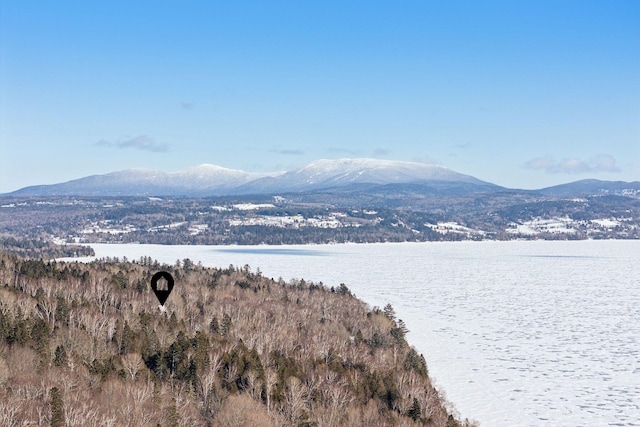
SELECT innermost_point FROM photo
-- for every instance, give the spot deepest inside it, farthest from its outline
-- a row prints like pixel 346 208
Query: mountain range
pixel 336 175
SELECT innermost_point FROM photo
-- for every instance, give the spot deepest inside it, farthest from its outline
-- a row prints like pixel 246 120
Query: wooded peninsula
pixel 87 345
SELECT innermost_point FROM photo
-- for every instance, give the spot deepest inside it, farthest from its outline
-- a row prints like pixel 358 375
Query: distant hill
pixel 594 187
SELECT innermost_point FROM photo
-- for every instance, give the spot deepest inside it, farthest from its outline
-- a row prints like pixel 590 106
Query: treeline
pixel 222 234
pixel 87 345
pixel 42 249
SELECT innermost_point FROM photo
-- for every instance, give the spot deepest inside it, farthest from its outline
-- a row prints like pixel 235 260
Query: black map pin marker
pixel 162 284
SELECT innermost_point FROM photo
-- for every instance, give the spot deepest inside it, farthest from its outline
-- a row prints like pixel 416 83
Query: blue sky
pixel 523 94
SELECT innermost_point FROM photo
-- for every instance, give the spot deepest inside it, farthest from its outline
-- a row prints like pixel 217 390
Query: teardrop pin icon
pixel 162 284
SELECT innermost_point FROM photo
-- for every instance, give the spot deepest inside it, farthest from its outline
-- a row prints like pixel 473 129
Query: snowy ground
pixel 531 333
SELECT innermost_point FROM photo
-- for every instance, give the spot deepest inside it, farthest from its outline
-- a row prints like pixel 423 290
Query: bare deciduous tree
pixel 295 401
pixel 132 363
pixel 242 411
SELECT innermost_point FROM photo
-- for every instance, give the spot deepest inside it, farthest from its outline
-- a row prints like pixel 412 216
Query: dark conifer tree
pixel 173 418
pixel 40 337
pixel 60 357
pixel 415 411
pixel 226 325
pixel 214 327
pixel 57 408
pixel 390 312
pixel 62 311
pixel 128 339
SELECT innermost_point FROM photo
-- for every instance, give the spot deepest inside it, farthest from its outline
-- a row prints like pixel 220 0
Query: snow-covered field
pixel 520 333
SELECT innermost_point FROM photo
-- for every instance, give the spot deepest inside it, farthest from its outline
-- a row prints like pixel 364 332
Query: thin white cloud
pixel 343 150
pixel 602 163
pixel 141 142
pixel 287 152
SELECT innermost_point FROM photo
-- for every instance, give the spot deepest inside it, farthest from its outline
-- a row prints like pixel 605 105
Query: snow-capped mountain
pixel 215 180
pixel 373 175
pixel 198 180
pixel 341 172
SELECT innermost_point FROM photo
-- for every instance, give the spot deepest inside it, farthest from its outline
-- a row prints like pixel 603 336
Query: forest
pixel 323 218
pixel 40 248
pixel 88 345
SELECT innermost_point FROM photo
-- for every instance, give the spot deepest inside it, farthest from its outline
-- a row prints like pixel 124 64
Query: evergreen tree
pixel 226 325
pixel 416 362
pixel 60 357
pixel 62 311
pixel 389 312
pixel 40 337
pixel 403 327
pixel 415 411
pixel 20 333
pixel 343 289
pixel 214 327
pixel 201 346
pixel 57 408
pixel 128 340
pixel 173 418
pixel 399 332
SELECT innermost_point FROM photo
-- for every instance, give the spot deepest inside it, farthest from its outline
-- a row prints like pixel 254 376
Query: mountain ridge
pixel 594 186
pixel 212 180
pixel 207 179
pixel 202 178
pixel 325 174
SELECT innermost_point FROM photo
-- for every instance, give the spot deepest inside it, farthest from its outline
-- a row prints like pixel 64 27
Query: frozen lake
pixel 516 333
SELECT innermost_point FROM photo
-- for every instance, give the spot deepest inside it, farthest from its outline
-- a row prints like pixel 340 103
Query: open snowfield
pixel 520 333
